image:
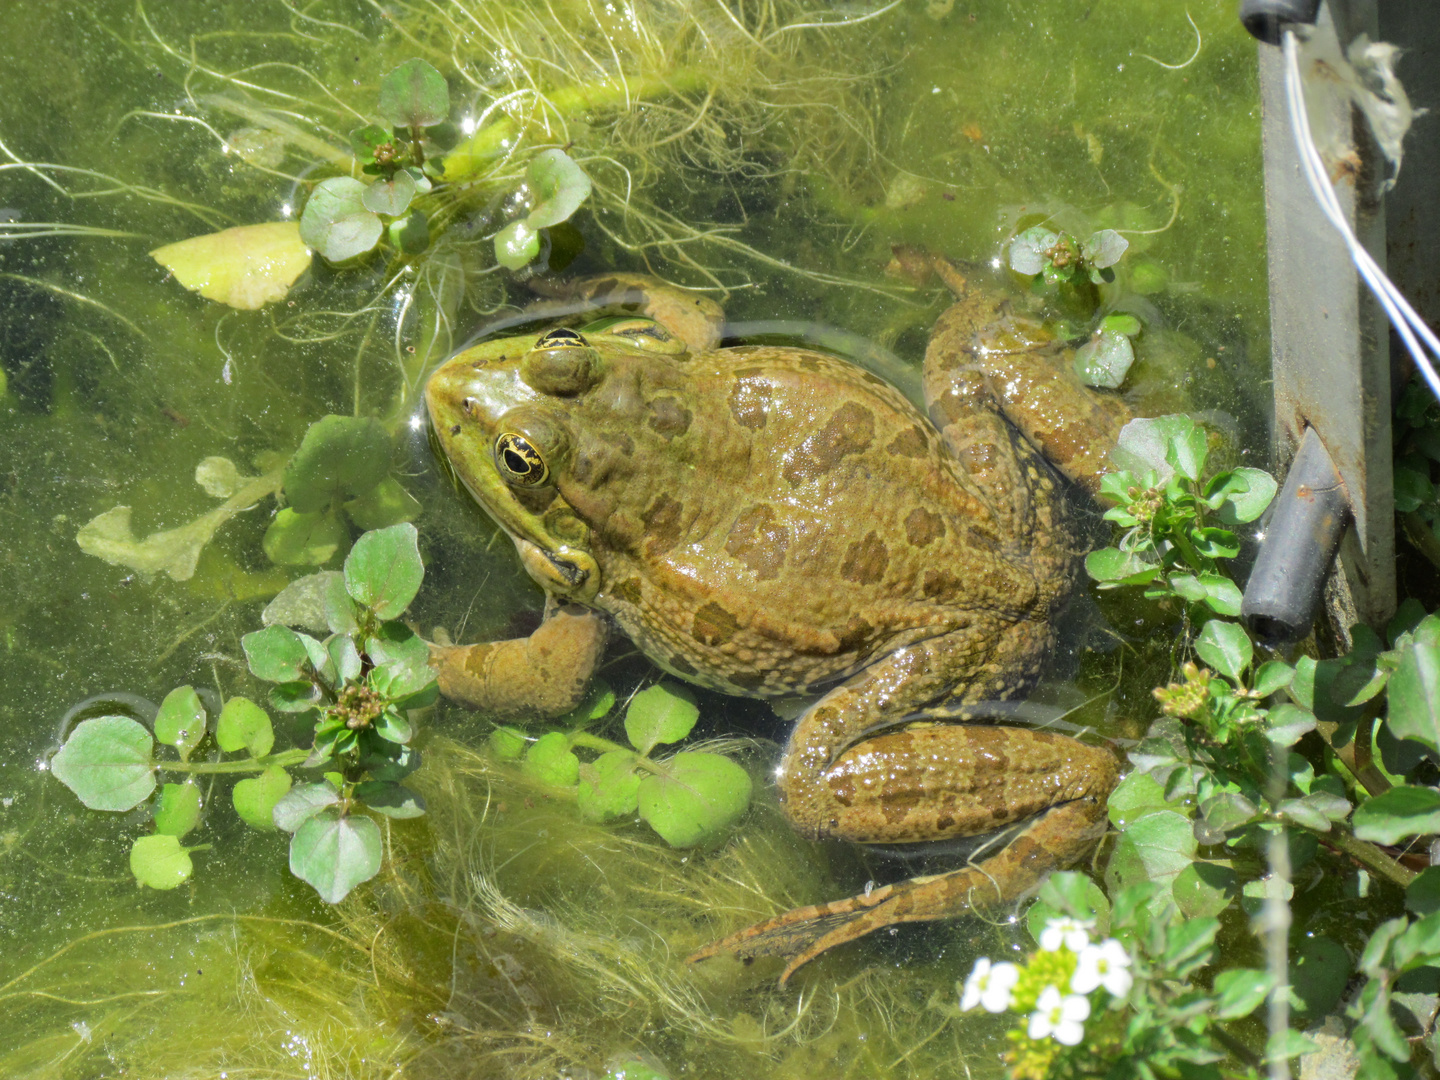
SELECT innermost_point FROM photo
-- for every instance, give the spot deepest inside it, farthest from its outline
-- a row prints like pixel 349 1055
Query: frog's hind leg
pixel 983 356
pixel 1059 837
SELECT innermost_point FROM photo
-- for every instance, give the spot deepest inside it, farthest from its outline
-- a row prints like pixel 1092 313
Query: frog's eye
pixel 519 462
pixel 561 338
pixel 561 363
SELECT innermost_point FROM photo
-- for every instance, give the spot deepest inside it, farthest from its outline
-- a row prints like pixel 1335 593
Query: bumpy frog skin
pixel 772 521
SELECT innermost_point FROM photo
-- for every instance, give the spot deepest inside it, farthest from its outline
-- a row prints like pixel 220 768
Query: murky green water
pixel 506 938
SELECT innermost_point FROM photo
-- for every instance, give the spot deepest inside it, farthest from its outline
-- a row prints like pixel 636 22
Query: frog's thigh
pixel 694 319
pixel 543 675
pixel 952 780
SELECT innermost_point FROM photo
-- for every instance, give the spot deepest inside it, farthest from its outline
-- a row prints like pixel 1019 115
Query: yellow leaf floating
pixel 246 267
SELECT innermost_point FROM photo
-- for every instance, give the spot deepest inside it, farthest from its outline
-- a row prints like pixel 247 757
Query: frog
pixel 773 521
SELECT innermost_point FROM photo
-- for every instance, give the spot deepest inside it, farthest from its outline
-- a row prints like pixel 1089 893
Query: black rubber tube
pixel 1266 19
pixel 1305 527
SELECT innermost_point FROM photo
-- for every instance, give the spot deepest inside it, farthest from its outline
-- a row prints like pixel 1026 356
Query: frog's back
pixel 796 516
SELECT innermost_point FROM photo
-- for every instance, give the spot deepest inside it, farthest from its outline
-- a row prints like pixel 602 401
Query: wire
pixel 1407 323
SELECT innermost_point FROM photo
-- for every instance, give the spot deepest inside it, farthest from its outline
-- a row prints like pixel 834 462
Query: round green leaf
pixel 107 763
pixel 276 654
pixel 391 799
pixel 1287 724
pixel 1120 324
pixel 333 854
pixel 364 141
pixel 1104 360
pixel 391 197
pixel 341 457
pixel 609 787
pixel 1104 248
pixel 1399 813
pixel 386 504
pixel 300 804
pixel 295 539
pixel 508 743
pixel 1114 565
pixel 1250 493
pixel 548 760
pixel 181 721
pixel 1143 443
pixel 1240 991
pixel 558 185
pixel 335 221
pixel 243 725
pixel 1221 594
pixel 1226 647
pixel 159 861
pixel 411 234
pixel 383 570
pixel 303 602
pixel 392 726
pixel 1414 693
pixel 1215 543
pixel 178 810
pixel 1318 974
pixel 255 797
pixel 414 95
pixel 516 244
pixel 664 713
pixel 1029 251
pixel 696 800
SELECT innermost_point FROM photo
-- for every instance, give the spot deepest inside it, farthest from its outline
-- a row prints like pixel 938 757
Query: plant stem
pixel 1367 854
pixel 468 160
pixel 283 759
pixel 595 742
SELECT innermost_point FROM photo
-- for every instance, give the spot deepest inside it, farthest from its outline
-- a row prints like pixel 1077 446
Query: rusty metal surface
pixel 1329 338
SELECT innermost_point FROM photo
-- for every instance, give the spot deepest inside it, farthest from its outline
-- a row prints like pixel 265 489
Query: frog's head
pixel 503 414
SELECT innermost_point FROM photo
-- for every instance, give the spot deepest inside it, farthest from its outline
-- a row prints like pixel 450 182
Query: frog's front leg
pixel 543 675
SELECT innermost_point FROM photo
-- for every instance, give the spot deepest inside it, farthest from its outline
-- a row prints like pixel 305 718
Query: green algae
pixel 512 938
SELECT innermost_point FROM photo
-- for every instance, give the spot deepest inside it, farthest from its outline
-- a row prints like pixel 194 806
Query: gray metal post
pixel 1329 338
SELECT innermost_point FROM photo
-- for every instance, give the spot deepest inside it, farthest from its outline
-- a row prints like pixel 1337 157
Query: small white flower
pixel 1107 965
pixel 1071 933
pixel 990 985
pixel 1060 1017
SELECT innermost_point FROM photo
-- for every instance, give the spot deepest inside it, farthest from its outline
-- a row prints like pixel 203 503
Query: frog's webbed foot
pixel 1058 838
pixel 695 319
pixel 543 675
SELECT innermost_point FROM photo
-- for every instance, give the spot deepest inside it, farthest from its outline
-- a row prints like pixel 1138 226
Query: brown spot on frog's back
pixel 713 625
pixel 911 443
pixel 750 398
pixel 865 561
pixel 850 430
pixel 662 522
pixel 809 363
pixel 759 541
pixel 668 418
pixel 922 527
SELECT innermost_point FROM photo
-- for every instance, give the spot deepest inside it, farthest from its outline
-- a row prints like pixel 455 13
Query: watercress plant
pixel 690 798
pixel 358 686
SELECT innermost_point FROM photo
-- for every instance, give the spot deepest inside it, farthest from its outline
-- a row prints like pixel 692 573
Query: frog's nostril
pixel 468 406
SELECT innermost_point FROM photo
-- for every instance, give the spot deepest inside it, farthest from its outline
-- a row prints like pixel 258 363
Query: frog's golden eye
pixel 561 338
pixel 519 462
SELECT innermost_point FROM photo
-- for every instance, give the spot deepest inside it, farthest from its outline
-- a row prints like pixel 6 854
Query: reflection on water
pixel 506 937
